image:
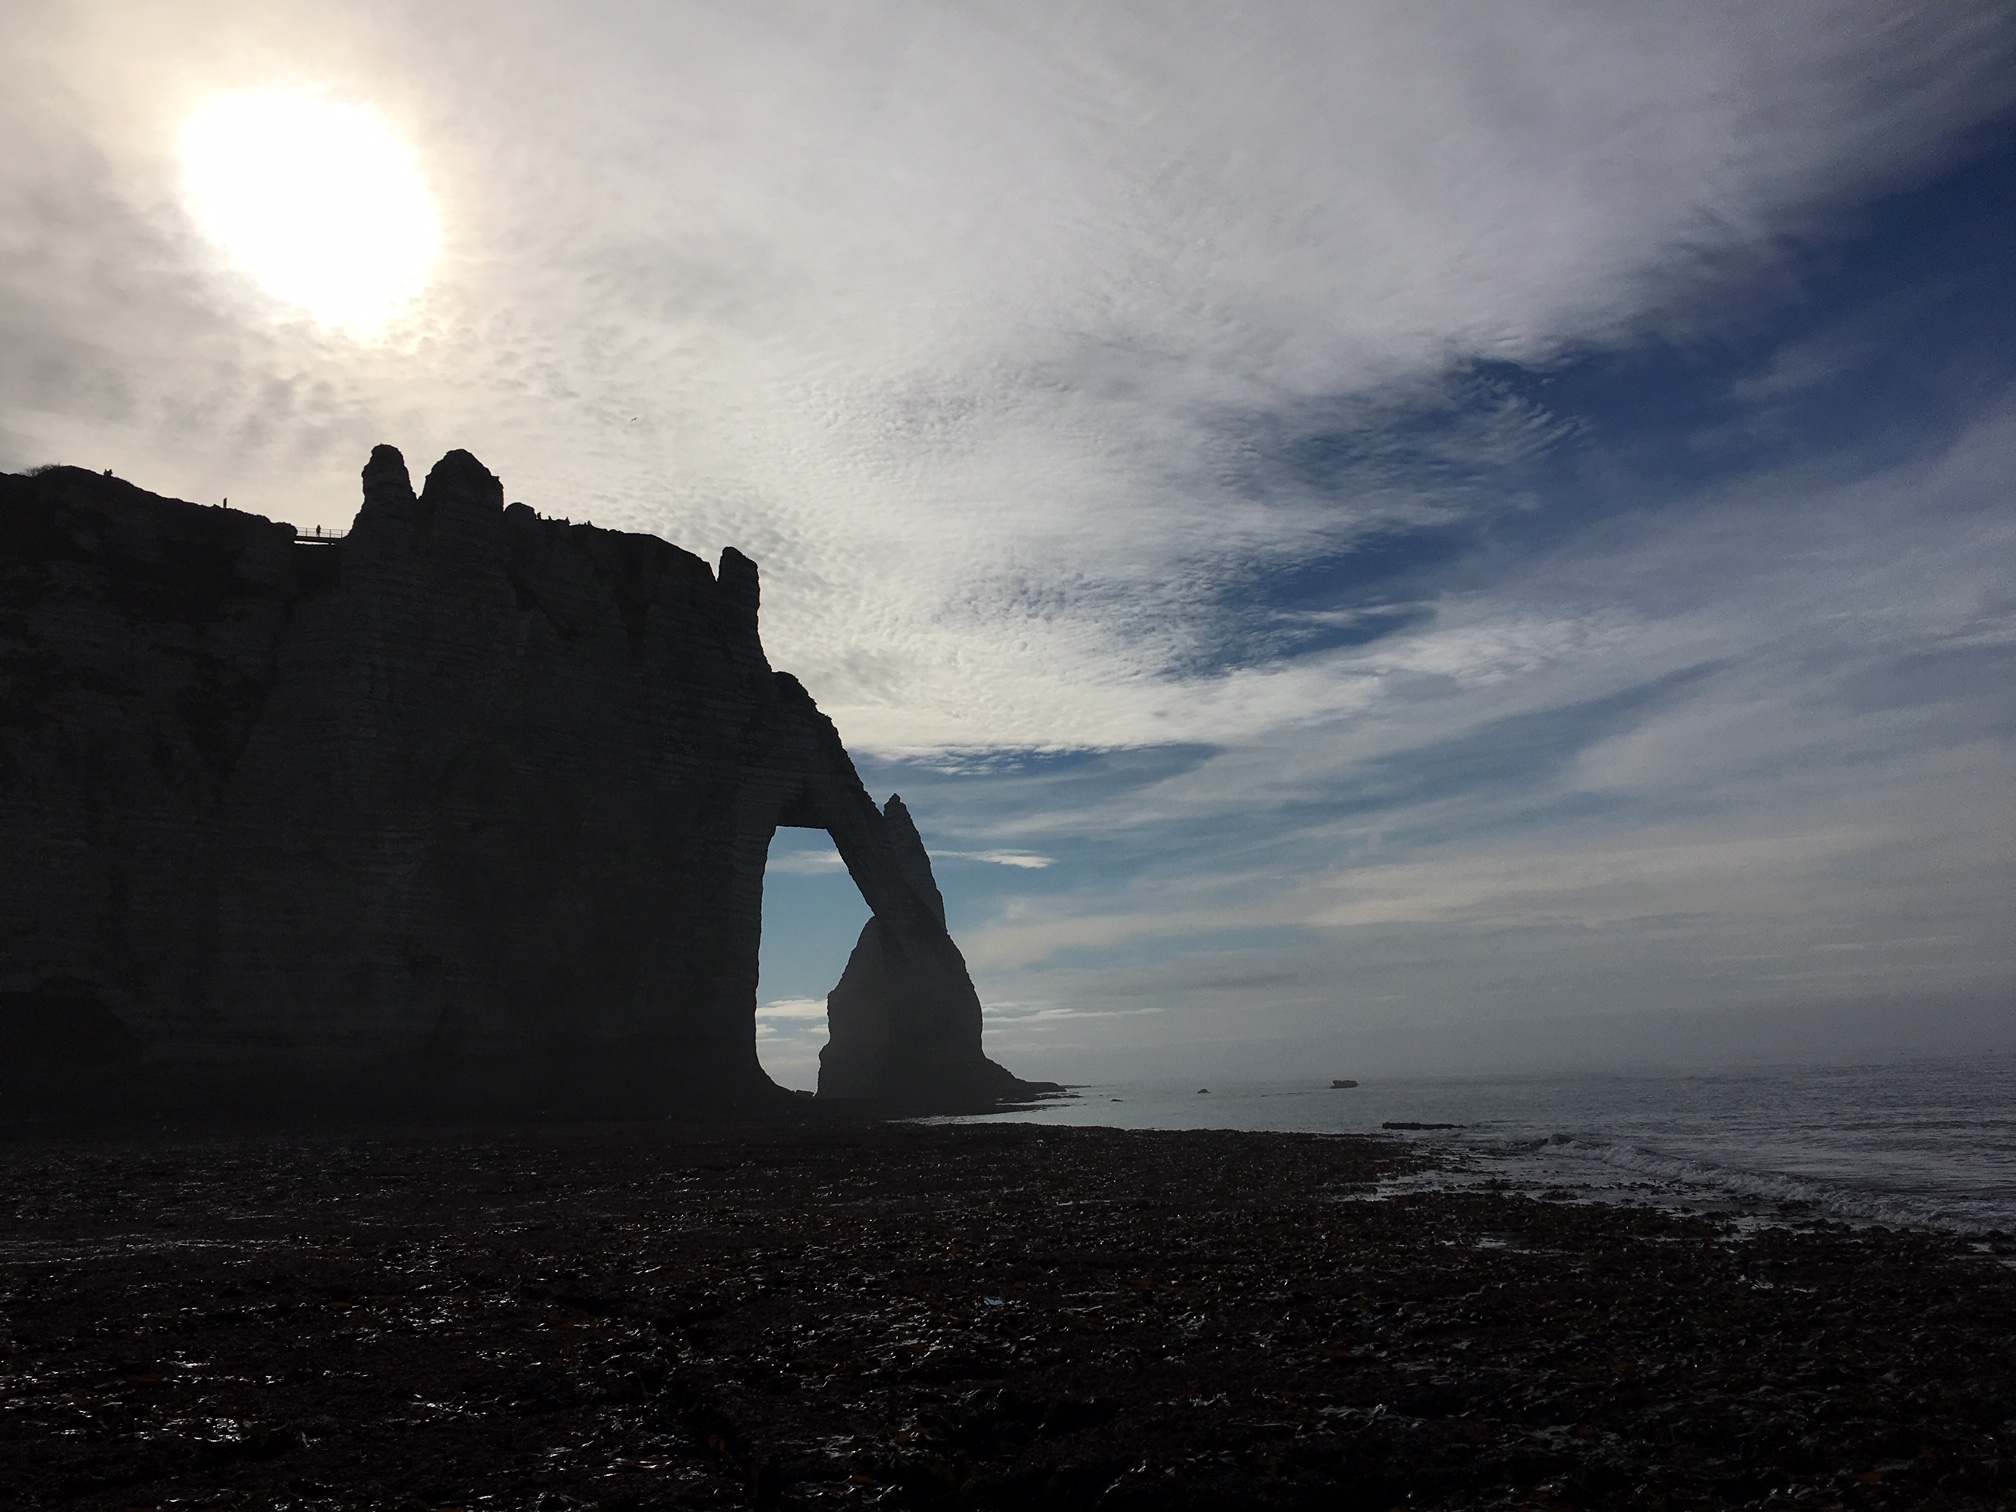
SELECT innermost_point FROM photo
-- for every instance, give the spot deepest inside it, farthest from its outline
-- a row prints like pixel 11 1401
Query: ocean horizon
pixel 1924 1142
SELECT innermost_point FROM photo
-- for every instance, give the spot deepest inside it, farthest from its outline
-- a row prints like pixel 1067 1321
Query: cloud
pixel 1021 860
pixel 808 863
pixel 1777 726
pixel 790 1032
pixel 1272 483
pixel 966 324
pixel 818 863
pixel 787 1013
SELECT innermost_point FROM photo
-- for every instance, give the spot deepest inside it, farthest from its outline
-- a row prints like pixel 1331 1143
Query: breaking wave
pixel 1569 1155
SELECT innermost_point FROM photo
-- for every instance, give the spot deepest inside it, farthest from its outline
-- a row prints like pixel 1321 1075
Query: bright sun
pixel 316 200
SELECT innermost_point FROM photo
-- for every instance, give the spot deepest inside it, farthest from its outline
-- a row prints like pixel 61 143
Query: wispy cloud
pixel 1021 860
pixel 965 324
pixel 807 863
pixel 1266 480
pixel 788 1013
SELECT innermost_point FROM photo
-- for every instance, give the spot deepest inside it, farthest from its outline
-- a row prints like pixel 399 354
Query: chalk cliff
pixel 470 806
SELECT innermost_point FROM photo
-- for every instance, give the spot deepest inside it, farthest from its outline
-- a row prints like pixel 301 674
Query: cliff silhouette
pixel 466 809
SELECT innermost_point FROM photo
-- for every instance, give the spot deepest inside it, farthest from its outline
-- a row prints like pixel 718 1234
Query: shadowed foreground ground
pixel 906 1316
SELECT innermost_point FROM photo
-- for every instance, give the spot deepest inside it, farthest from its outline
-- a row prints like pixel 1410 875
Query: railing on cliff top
pixel 319 537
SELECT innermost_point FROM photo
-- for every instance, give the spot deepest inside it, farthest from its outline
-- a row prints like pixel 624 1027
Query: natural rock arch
pixel 904 1014
pixel 470 805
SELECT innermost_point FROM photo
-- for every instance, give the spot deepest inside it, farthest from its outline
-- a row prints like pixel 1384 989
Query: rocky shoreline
pixel 834 1313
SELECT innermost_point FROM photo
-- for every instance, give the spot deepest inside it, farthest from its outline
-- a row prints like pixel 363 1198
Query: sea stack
pixel 468 808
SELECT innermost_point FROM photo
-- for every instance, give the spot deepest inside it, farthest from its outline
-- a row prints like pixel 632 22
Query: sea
pixel 1921 1143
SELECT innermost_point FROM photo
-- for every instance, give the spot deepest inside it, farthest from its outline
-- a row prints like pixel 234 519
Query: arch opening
pixel 812 915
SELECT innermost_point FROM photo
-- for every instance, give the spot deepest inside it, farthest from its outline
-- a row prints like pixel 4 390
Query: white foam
pixel 1708 1182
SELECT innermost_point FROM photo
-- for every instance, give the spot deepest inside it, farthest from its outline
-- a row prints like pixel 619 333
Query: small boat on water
pixel 1342 1083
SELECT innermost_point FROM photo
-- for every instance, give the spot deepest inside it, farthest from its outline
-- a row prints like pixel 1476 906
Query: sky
pixel 1371 538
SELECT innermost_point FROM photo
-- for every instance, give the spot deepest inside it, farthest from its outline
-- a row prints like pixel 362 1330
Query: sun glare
pixel 316 200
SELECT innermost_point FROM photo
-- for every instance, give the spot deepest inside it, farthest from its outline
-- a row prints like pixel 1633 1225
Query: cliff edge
pixel 468 809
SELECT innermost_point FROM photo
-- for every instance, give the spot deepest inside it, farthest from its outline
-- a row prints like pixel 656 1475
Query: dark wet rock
pixel 469 808
pixel 647 1316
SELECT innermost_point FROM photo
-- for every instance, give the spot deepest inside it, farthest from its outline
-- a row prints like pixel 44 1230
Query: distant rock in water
pixel 1342 1081
pixel 469 808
